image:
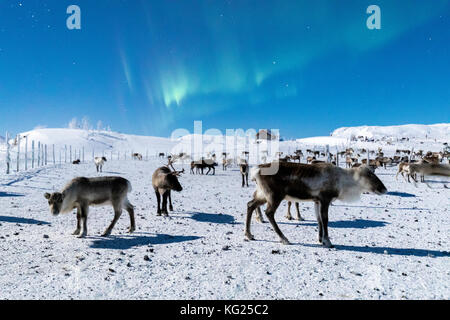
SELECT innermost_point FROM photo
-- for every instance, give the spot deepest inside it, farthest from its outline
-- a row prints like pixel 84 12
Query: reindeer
pixel 99 162
pixel 243 166
pixel 76 161
pixel 320 183
pixel 288 214
pixel 403 167
pixel 429 169
pixel 163 181
pixel 309 159
pixel 81 192
pixel 204 163
pixel 161 155
pixel 226 163
pixel 136 156
pixel 349 161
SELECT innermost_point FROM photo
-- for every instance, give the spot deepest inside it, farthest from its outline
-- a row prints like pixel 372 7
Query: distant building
pixel 265 134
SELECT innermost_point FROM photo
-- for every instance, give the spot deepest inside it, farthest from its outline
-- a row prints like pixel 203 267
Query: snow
pixel 394 246
pixel 389 247
pixel 413 131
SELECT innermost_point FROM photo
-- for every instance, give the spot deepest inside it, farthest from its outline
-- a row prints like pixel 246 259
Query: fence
pixel 22 154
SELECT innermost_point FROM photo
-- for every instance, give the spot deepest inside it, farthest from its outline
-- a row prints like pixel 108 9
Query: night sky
pixel 149 67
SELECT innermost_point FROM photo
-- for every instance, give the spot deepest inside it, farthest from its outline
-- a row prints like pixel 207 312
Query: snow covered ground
pixel 394 246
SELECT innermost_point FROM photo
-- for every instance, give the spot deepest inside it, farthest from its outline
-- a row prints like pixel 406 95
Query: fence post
pixel 18 151
pixel 93 154
pixel 8 158
pixel 54 161
pixel 39 154
pixel 26 153
pixel 45 154
pixel 83 154
pixel 32 154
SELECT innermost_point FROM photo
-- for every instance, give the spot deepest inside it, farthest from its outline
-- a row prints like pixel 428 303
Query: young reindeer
pixel 80 193
pixel 164 180
pixel 243 167
pixel 321 183
pixel 99 162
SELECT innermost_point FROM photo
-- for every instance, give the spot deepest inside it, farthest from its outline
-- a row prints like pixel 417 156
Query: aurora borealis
pixel 149 67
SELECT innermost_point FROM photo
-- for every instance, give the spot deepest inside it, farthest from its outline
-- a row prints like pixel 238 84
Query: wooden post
pixel 46 154
pixel 26 153
pixel 54 161
pixel 18 151
pixel 8 158
pixel 39 154
pixel 83 154
pixel 65 153
pixel 70 154
pixel 32 154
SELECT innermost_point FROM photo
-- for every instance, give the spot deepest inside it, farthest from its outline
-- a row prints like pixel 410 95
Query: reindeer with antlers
pixel 164 180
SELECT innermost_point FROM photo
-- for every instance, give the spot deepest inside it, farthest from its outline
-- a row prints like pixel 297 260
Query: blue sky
pixel 149 67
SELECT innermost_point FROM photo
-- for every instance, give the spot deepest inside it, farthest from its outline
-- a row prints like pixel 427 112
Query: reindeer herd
pixel 317 181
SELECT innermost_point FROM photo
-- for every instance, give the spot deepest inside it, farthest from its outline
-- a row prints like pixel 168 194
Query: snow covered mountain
pixel 439 132
pixel 390 138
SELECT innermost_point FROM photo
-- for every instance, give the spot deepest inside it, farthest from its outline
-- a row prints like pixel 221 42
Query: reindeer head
pixel 172 180
pixel 369 181
pixel 104 159
pixel 55 201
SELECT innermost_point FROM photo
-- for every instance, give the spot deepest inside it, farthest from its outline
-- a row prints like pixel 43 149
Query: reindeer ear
pixel 47 195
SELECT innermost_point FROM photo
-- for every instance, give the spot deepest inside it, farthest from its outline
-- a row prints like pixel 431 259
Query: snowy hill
pixel 96 140
pixel 425 137
pixel 439 131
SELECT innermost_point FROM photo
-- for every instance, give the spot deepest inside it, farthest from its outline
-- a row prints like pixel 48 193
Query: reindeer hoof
pixel 301 219
pixel 76 232
pixel 285 241
pixel 82 235
pixel 131 230
pixel 327 244
pixel 289 217
pixel 249 236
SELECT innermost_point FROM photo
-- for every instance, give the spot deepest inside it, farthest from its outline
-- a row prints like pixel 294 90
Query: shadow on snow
pixel 212 217
pixel 21 220
pixel 127 242
pixel 7 194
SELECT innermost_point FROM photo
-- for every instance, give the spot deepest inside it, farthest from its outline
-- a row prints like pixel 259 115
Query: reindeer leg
pixel 130 209
pixel 288 214
pixel 259 216
pixel 164 204
pixel 246 178
pixel 78 229
pixel 270 213
pixel 243 180
pixel 170 201
pixel 299 216
pixel 84 215
pixel 324 206
pixel 251 206
pixel 117 213
pixel 158 199
pixel 319 220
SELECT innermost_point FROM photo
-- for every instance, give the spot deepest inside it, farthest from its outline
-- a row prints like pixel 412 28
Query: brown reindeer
pixel 244 172
pixel 321 183
pixel 199 166
pixel 428 169
pixel 80 193
pixel 163 181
